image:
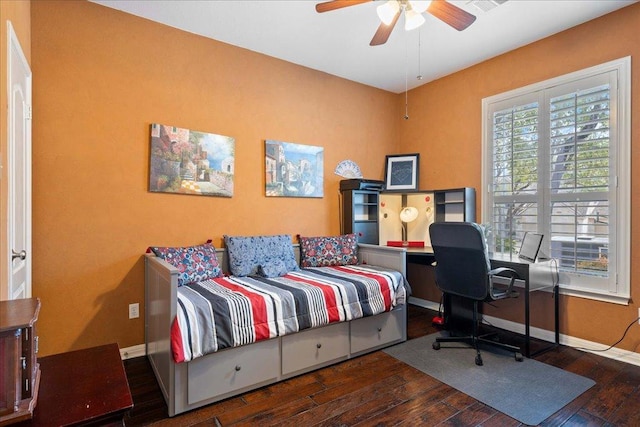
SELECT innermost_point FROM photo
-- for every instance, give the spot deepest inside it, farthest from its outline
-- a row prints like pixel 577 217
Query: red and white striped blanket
pixel 234 311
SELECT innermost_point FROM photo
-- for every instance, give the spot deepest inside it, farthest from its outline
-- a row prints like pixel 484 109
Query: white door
pixel 19 169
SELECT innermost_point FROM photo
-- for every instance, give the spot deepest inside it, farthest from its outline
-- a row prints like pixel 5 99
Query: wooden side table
pixel 83 387
pixel 20 372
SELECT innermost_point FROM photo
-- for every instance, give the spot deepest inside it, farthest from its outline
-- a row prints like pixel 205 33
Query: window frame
pixel 619 233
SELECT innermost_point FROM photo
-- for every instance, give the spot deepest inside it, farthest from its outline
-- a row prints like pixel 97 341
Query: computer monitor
pixel 530 246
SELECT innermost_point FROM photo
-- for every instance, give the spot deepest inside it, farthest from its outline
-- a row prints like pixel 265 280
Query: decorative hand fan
pixel 348 169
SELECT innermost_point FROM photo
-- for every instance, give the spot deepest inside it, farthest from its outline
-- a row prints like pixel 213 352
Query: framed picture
pixel 293 170
pixel 401 172
pixel 185 161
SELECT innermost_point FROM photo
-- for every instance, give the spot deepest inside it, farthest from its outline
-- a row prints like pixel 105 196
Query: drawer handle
pixel 379 330
pixel 318 345
pixel 238 367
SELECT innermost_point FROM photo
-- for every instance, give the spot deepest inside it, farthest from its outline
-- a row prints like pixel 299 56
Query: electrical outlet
pixel 134 311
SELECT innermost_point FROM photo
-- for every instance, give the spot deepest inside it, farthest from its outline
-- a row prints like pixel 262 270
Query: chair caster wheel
pixel 479 360
pixel 519 357
pixel 436 345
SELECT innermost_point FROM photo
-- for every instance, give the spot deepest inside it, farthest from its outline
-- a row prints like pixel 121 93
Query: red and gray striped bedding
pixel 233 311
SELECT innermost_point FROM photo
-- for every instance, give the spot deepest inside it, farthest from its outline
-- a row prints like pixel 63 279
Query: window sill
pixel 596 296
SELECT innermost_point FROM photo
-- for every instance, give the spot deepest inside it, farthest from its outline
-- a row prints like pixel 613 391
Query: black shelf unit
pixel 360 214
pixel 457 204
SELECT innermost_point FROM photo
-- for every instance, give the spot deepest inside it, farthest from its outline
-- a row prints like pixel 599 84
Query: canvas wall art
pixel 185 161
pixel 293 170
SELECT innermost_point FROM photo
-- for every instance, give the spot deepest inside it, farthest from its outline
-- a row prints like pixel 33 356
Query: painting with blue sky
pixel 293 170
pixel 185 161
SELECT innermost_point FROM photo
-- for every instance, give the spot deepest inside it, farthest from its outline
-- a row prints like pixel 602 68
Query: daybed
pixel 231 371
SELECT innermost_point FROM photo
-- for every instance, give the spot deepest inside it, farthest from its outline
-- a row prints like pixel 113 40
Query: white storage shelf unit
pixel 452 205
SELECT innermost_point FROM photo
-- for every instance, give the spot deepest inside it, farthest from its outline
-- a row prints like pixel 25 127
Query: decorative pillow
pixel 195 263
pixel 247 254
pixel 275 268
pixel 327 251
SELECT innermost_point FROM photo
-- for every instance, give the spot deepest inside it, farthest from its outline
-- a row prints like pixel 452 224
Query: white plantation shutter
pixel 580 176
pixel 554 154
pixel 579 137
pixel 515 147
pixel 515 174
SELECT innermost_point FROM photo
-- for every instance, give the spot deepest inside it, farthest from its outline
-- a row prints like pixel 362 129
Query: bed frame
pixel 234 371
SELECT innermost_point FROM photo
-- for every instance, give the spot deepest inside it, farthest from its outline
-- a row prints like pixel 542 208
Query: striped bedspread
pixel 234 311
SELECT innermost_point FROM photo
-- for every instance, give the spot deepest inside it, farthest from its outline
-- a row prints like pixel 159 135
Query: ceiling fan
pixel 389 12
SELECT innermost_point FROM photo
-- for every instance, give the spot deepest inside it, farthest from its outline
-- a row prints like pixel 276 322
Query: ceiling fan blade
pixel 337 4
pixel 451 14
pixel 384 31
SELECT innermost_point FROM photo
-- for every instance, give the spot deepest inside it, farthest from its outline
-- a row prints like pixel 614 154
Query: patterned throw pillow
pixel 247 254
pixel 275 268
pixel 195 263
pixel 327 251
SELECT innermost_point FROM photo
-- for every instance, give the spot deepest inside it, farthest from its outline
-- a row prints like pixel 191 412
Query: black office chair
pixel 463 268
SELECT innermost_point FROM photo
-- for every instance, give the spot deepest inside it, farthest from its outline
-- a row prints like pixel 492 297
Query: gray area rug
pixel 529 391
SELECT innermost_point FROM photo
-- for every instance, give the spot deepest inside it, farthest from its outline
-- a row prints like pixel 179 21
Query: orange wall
pixel 451 152
pixel 18 12
pixel 101 77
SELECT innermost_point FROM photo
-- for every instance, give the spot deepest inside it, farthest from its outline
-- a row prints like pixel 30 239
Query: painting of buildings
pixel 184 161
pixel 293 170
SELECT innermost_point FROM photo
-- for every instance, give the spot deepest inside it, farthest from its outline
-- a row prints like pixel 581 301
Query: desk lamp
pixel 407 214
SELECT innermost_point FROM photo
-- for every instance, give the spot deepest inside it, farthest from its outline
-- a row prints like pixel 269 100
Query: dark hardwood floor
pixel 378 390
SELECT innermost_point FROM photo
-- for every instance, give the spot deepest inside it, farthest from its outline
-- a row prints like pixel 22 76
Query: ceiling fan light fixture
pixel 412 20
pixel 420 6
pixel 387 11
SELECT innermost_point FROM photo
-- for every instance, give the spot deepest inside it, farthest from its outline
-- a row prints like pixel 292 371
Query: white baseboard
pixel 133 351
pixel 543 334
pixel 593 347
pixel 424 303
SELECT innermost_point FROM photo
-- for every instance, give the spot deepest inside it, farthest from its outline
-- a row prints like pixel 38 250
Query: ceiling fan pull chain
pixel 406 78
pixel 419 76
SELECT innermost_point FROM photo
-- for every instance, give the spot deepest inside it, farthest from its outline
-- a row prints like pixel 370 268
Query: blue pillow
pixel 248 254
pixel 275 268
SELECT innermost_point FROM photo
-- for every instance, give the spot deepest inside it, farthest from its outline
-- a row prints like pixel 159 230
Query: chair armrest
pixel 509 272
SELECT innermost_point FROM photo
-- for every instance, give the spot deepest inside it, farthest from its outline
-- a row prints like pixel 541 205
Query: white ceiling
pixel 337 42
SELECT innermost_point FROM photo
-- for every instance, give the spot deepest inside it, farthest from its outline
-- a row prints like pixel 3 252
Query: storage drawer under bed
pixel 233 369
pixel 314 347
pixel 374 331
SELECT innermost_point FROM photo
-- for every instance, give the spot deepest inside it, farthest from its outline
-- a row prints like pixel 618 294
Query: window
pixel 557 162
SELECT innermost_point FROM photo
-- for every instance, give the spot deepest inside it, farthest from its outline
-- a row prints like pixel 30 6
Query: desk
pixel 82 387
pixel 522 268
pixel 425 256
